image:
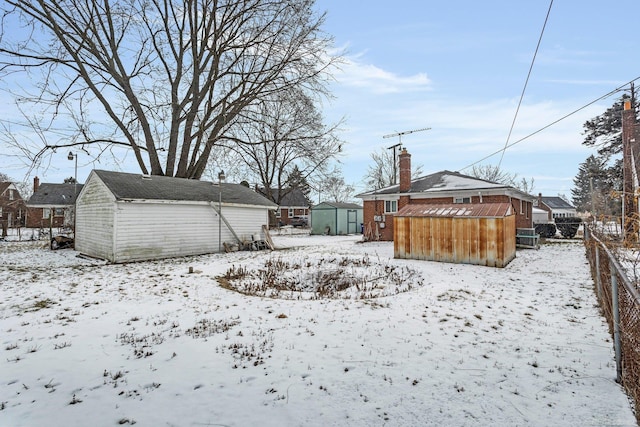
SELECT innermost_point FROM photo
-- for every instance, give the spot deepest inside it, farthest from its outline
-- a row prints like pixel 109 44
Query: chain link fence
pixel 615 267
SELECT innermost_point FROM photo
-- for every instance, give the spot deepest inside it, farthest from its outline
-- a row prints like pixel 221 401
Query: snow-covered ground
pixel 87 343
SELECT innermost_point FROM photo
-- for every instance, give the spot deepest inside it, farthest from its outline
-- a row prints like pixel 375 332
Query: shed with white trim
pixel 123 217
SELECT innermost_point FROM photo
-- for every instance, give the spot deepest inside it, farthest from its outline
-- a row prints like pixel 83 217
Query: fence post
pixel 616 322
pixel 598 279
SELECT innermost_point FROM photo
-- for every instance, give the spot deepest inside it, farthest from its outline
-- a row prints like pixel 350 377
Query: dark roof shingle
pixel 129 186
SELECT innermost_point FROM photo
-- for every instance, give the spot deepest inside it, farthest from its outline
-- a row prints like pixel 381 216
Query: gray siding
pixel 94 220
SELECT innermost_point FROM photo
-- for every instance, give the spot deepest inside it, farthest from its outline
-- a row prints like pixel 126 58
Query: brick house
pixel 440 188
pixel 13 210
pixel 52 205
pixel 293 203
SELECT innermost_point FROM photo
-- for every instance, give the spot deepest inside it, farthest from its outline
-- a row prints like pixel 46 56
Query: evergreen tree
pixel 597 187
pixel 297 180
pixel 605 131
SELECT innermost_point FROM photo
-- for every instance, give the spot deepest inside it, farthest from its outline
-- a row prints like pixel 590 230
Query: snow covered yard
pixel 85 343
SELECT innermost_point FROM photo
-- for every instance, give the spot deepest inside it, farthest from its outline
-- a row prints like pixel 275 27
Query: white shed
pixel 124 217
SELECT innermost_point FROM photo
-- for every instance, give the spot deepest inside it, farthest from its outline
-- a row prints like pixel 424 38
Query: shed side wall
pixel 163 230
pixel 94 232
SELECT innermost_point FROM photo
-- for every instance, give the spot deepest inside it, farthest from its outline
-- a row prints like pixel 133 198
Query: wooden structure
pixel 481 234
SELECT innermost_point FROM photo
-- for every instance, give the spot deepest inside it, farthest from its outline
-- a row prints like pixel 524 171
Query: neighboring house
pixel 556 207
pixel 443 187
pixel 52 205
pixel 480 233
pixel 125 217
pixel 335 218
pixel 293 204
pixel 13 210
pixel 540 216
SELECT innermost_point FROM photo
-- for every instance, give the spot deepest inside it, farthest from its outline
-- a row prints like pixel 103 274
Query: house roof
pixel 445 181
pixel 491 210
pixel 339 205
pixel 556 203
pixel 290 197
pixel 55 195
pixel 4 186
pixel 129 186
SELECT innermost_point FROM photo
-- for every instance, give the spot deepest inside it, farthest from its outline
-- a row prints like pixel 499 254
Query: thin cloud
pixel 355 73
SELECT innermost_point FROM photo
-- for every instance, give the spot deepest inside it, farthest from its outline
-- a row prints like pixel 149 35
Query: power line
pixel 533 60
pixel 618 89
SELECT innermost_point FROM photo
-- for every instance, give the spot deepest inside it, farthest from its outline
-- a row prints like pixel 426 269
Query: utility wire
pixel 526 82
pixel 618 89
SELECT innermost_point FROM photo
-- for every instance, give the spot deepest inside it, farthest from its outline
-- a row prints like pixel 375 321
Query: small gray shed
pixel 335 218
pixel 124 217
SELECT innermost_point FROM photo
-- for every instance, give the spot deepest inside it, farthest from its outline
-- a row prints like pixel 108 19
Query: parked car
pixel 299 221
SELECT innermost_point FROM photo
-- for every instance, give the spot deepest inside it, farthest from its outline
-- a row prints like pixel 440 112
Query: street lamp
pixel 73 156
pixel 221 178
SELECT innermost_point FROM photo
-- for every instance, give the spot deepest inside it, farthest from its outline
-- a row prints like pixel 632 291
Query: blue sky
pixel 459 68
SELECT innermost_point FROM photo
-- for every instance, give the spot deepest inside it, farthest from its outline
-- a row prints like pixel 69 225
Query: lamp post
pixel 73 156
pixel 221 178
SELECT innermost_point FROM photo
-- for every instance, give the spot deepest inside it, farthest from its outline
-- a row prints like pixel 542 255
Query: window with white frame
pixel 11 194
pixel 0 211
pixel 291 213
pixel 278 213
pixel 462 200
pixel 390 206
pixel 46 213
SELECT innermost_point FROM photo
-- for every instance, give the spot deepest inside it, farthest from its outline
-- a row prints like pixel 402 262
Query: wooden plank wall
pixel 480 241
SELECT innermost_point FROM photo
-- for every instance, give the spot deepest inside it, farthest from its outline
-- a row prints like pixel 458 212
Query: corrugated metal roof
pixel 486 210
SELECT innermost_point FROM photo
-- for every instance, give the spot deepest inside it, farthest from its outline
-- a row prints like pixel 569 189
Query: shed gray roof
pixel 556 203
pixel 444 181
pixel 49 194
pixel 129 186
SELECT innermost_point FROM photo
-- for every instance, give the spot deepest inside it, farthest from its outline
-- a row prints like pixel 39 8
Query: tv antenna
pixel 399 144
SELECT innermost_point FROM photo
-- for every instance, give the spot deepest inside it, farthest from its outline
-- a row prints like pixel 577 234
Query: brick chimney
pixel 36 184
pixel 405 171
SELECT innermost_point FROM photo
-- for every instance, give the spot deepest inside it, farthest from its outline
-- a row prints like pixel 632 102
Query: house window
pixel 290 214
pixel 0 211
pixel 58 212
pixel 10 194
pixel 278 213
pixel 462 200
pixel 46 213
pixel 390 206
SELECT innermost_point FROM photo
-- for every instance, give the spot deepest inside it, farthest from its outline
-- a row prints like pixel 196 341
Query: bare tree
pixel 332 187
pixel 280 136
pixel 495 174
pixel 382 173
pixel 163 78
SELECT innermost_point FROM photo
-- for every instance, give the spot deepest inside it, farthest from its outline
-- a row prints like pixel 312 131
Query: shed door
pixel 352 221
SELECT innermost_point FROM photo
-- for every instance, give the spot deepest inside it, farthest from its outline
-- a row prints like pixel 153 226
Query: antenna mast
pixel 399 144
